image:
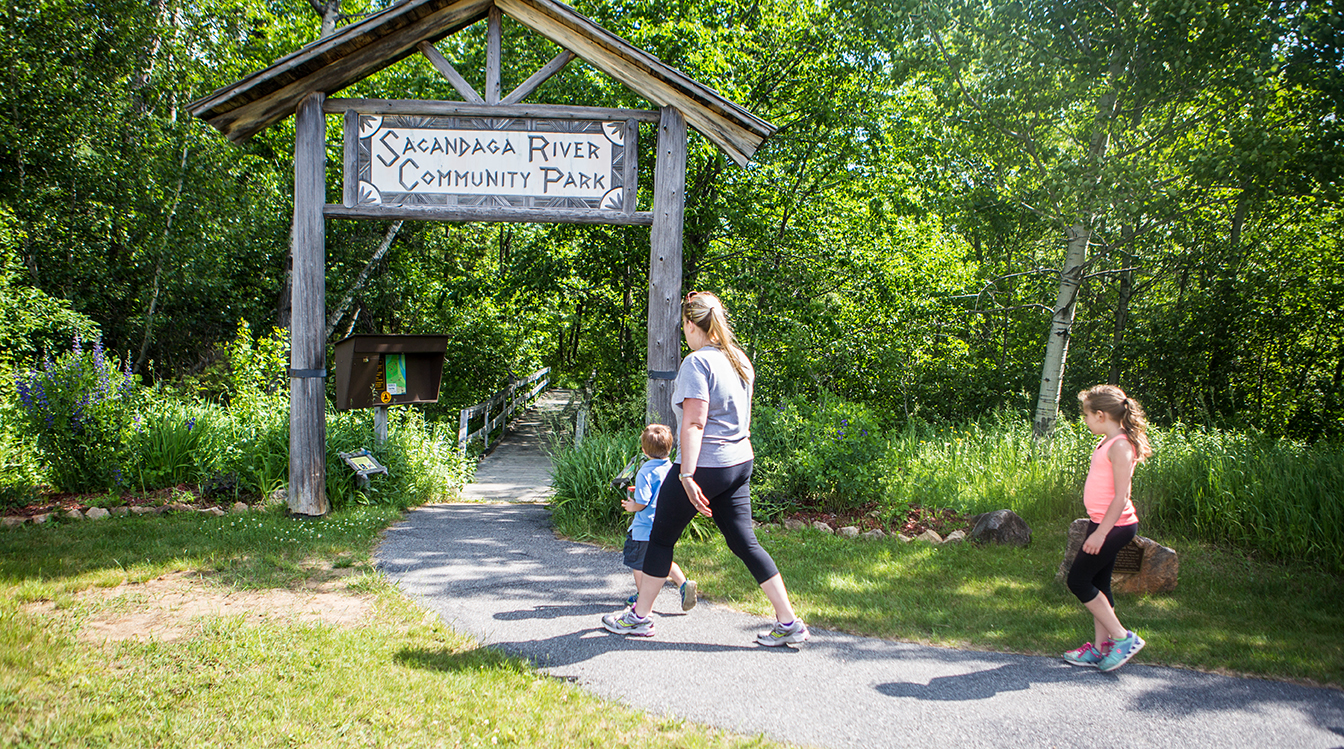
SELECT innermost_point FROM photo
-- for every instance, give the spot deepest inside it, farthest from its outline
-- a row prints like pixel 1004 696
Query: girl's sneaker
pixel 782 634
pixel 1087 655
pixel 1121 652
pixel 688 598
pixel 629 623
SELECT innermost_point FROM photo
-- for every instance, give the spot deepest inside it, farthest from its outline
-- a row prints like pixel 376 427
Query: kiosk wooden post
pixel 669 207
pixel 307 354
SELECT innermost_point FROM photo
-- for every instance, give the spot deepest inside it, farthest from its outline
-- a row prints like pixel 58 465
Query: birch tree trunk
pixel 1061 327
pixel 335 318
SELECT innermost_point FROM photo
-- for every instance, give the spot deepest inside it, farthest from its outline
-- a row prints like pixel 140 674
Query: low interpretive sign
pixel 429 161
pixel 1129 560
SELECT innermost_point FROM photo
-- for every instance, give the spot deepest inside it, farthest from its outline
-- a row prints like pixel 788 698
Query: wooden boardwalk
pixel 519 468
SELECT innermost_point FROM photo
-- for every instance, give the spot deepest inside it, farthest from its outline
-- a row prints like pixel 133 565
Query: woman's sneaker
pixel 629 623
pixel 1121 652
pixel 781 634
pixel 1087 655
pixel 688 598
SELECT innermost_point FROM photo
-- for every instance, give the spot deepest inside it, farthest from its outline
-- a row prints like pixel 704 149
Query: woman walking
pixel 712 401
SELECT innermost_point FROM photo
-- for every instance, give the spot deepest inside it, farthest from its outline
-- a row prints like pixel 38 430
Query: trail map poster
pixel 477 161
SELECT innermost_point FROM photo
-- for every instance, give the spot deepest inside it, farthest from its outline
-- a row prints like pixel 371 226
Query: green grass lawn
pixel 399 678
pixel 1228 612
pixel 396 679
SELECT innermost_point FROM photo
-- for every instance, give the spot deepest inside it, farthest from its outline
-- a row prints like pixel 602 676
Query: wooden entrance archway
pixel 301 83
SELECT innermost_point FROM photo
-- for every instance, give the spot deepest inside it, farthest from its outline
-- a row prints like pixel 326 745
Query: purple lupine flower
pixel 25 394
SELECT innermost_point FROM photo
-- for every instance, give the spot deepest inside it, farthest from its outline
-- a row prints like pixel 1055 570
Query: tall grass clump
pixel 992 463
pixel 584 505
pixel 172 438
pixel 1279 497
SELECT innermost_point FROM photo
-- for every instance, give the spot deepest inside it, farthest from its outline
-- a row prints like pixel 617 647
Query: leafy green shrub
pixel 825 455
pixel 80 410
pixel 422 460
pixel 19 471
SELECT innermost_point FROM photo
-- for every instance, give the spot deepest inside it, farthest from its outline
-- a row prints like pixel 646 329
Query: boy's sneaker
pixel 1087 655
pixel 632 599
pixel 688 598
pixel 629 623
pixel 781 634
pixel 1121 652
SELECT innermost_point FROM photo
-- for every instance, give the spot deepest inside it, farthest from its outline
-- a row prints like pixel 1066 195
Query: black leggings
pixel 728 490
pixel 1091 573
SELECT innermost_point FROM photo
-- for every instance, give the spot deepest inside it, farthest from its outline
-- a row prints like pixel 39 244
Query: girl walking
pixel 1120 420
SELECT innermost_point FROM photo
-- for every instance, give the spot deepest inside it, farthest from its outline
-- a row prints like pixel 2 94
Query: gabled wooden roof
pixel 249 106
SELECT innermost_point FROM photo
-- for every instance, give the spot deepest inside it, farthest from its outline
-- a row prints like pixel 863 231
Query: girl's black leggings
pixel 728 490
pixel 1091 573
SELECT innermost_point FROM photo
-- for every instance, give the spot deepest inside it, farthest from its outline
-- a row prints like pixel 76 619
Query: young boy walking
pixel 656 442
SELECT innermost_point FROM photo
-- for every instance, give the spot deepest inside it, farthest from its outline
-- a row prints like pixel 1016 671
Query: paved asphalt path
pixel 498 572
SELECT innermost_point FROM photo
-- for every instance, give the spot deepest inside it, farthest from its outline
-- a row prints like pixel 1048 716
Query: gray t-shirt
pixel 708 375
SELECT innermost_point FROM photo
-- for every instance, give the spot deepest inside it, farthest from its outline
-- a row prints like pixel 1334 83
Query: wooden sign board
pixel 455 162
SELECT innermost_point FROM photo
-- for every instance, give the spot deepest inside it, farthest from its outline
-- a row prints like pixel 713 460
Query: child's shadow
pixel 977 685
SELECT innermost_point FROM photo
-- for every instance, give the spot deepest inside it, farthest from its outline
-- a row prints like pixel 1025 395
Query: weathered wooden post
pixel 669 207
pixel 307 350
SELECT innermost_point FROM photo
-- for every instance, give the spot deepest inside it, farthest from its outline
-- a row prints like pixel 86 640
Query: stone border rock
pixel 852 531
pixel 99 513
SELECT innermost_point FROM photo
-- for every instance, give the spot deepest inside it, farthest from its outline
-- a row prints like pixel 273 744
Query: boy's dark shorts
pixel 634 552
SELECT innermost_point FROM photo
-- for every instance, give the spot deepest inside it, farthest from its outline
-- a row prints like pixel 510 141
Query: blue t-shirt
pixel 647 482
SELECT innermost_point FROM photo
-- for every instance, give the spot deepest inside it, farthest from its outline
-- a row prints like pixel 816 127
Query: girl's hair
pixel 656 441
pixel 1112 401
pixel 708 313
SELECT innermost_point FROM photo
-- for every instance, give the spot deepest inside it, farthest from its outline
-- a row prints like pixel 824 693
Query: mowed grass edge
pixel 399 678
pixel 1229 612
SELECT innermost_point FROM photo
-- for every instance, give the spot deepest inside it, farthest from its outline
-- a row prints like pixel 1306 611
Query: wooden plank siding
pixel 729 126
pixel 250 106
pixel 329 65
pixel 462 109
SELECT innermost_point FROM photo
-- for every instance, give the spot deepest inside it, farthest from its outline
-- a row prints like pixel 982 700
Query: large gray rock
pixel 97 513
pixel 1001 527
pixel 1157 573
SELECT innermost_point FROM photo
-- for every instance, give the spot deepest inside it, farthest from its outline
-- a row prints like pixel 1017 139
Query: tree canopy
pixel 946 178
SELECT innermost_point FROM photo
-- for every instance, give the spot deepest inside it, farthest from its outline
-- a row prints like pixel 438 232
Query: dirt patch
pixel 163 609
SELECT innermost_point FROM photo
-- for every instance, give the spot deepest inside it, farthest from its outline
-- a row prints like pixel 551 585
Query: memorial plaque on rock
pixel 1130 559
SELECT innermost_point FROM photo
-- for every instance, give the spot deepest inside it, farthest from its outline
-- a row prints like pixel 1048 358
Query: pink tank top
pixel 1099 491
